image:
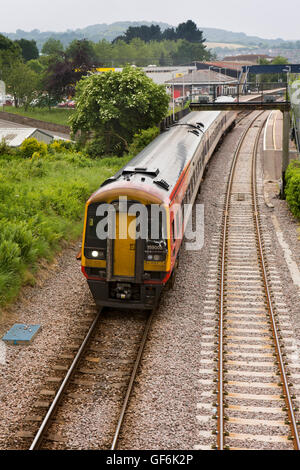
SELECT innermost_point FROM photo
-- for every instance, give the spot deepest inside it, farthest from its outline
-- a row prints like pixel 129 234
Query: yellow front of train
pixel 126 255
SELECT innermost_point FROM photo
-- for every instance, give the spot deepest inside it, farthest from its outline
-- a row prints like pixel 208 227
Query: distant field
pixel 226 45
pixel 55 115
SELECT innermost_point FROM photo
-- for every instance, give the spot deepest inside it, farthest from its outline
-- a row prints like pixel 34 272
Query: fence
pixel 169 120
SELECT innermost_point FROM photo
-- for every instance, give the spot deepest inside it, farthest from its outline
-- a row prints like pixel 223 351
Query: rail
pixel 221 418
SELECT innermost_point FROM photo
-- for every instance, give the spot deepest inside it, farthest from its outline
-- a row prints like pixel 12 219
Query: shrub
pixel 31 146
pixel 4 148
pixel 60 146
pixel 95 148
pixel 142 139
pixel 36 156
pixel 10 256
pixel 19 234
pixel 292 190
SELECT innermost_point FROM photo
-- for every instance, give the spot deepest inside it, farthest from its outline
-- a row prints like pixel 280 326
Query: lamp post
pixel 219 68
pixel 173 97
pixel 192 89
pixel 287 71
pixel 2 94
pixel 209 79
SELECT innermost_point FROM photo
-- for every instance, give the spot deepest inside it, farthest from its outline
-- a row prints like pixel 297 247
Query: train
pixel 133 224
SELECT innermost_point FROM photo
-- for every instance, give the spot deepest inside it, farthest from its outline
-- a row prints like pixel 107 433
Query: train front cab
pixel 128 268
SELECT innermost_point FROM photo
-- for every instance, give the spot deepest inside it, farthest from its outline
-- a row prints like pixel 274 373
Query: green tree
pixel 22 83
pixel 82 54
pixel 189 32
pixel 10 53
pixel 29 49
pixel 8 45
pixel 188 52
pixel 36 66
pixel 104 52
pixel 114 106
pixel 52 47
pixel 59 78
pixel 67 68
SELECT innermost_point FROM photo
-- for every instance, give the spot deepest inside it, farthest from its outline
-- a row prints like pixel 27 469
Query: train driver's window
pixel 173 231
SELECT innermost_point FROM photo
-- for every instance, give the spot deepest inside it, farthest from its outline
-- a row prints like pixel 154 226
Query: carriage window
pixel 173 230
pixel 178 224
pixel 91 237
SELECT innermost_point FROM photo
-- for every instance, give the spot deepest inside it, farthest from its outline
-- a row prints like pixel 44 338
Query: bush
pixel 95 148
pixel 292 190
pixel 31 146
pixel 60 146
pixel 142 139
pixel 4 148
pixel 36 156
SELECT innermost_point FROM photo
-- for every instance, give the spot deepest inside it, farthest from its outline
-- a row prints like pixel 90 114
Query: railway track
pixel 250 350
pixel 122 378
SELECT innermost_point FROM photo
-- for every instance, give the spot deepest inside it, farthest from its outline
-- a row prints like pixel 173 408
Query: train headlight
pixel 96 254
pixel 155 256
pixel 156 250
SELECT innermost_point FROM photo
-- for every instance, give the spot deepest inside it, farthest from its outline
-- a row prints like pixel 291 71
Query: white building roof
pixel 160 75
pixel 199 77
pixel 14 136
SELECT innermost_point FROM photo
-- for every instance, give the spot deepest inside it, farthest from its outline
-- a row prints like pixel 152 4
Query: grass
pixel 292 189
pixel 54 115
pixel 41 204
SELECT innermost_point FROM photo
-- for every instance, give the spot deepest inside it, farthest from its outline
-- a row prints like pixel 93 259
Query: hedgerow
pixel 292 189
pixel 42 202
pixel 31 146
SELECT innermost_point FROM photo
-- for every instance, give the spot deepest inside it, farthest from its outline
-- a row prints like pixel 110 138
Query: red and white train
pixel 130 271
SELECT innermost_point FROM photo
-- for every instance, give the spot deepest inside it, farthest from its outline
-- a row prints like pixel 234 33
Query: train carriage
pixel 133 227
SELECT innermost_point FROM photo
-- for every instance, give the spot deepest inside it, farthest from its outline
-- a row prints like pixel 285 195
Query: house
pixel 15 136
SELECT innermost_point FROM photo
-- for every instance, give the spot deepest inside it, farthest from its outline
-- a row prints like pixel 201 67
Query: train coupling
pixel 123 291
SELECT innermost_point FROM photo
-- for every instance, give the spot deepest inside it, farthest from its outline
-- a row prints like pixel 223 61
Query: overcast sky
pixel 265 18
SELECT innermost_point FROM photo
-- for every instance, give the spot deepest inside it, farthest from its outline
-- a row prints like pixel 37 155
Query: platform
pixel 272 155
pixel 21 334
pixel 283 106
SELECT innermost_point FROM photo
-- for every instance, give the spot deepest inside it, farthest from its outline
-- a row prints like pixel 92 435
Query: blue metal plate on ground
pixel 21 333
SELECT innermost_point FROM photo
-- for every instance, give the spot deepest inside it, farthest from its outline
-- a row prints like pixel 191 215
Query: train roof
pixel 161 163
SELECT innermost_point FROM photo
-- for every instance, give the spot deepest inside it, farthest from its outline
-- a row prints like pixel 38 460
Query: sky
pixel 268 19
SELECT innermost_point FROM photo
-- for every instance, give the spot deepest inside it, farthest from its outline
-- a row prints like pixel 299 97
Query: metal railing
pixel 263 91
pixel 169 120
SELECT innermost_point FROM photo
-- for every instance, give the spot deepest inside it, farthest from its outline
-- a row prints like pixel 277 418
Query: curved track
pixel 250 353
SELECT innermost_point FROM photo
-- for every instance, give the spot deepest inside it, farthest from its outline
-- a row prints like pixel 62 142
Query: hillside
pixel 94 32
pixel 221 36
pixel 97 32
